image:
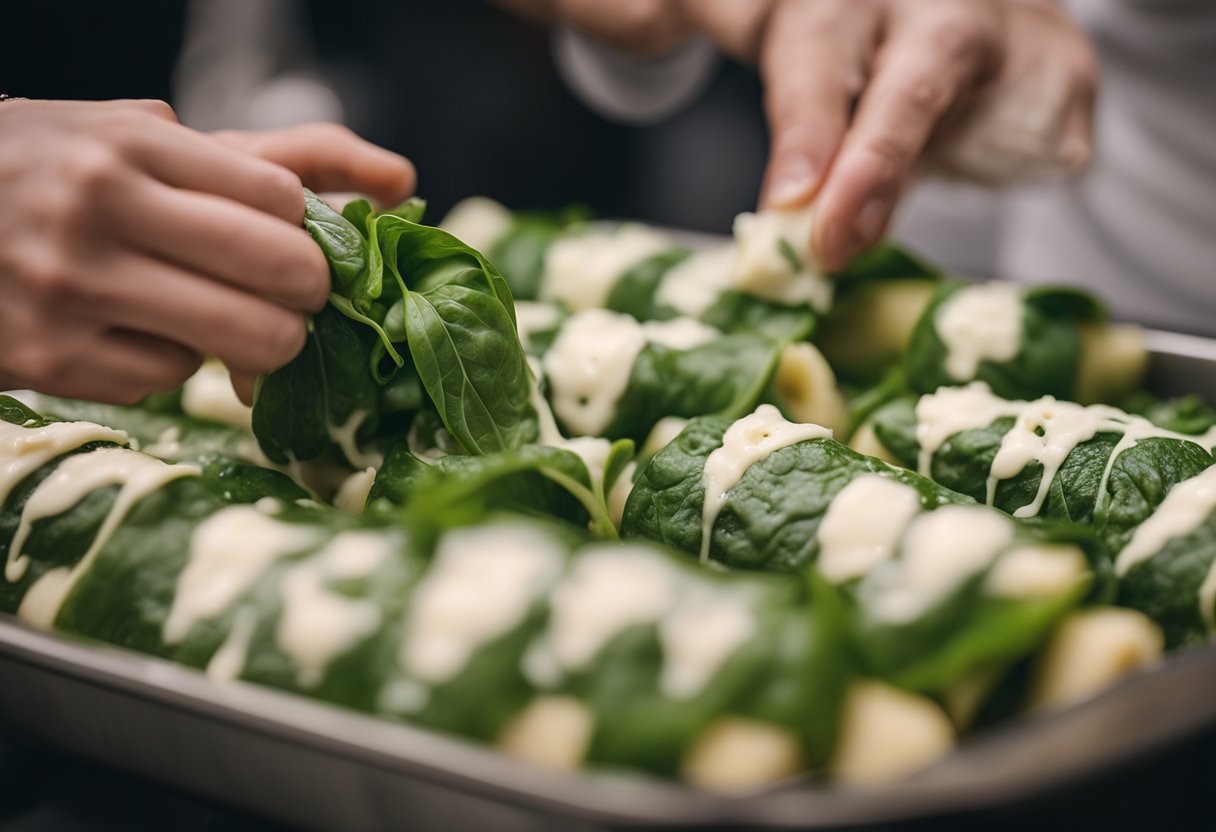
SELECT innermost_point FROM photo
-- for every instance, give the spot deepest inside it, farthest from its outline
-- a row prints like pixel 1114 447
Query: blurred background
pixel 467 91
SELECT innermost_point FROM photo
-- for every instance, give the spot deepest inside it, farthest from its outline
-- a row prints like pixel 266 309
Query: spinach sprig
pixel 407 299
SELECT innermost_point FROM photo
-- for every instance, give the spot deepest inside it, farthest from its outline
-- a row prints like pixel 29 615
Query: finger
pixel 136 292
pixel 923 68
pixel 208 235
pixel 329 157
pixel 811 62
pixel 243 385
pixel 151 106
pixel 1076 147
pixel 120 368
pixel 190 160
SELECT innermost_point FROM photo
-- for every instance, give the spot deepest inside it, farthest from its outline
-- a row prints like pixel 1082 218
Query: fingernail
pixel 793 182
pixel 872 219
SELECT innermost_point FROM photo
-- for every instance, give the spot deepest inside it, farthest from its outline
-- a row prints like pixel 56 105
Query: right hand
pixel 130 246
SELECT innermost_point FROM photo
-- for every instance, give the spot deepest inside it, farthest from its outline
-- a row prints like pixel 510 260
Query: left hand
pixel 326 157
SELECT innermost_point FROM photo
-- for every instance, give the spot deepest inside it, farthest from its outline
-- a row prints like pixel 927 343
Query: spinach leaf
pixel 887 261
pixel 472 365
pixel 15 413
pixel 736 312
pixel 771 517
pixel 297 408
pixel 634 291
pixel 456 490
pixel 1046 363
pixel 338 238
pixel 727 376
pixel 1184 414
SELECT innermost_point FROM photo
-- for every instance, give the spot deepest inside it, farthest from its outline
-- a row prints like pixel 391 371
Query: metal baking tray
pixel 318 767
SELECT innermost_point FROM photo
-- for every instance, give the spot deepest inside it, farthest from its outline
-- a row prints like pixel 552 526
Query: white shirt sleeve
pixel 629 88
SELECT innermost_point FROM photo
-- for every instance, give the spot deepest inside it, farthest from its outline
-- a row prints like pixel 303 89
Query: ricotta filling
pixel 980 323
pixel 774 259
pixel 691 286
pixel 863 526
pixel 580 270
pixel 588 368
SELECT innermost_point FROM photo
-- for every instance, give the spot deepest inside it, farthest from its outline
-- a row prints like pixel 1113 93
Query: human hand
pixel 133 245
pixel 326 157
pixel 859 93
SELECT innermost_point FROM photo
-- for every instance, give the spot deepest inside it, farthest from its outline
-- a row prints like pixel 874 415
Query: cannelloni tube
pixel 519 634
pixel 940 586
pixel 1023 342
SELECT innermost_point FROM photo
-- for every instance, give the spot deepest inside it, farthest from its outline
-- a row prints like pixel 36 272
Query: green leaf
pixel 888 261
pixel 469 359
pixel 328 383
pixel 1046 363
pixel 727 376
pixel 338 238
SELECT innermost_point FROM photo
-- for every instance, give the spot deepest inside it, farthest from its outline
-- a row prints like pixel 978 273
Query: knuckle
pixel 94 167
pixel 336 132
pixel 958 37
pixel 40 361
pixel 158 108
pixel 44 275
pixel 892 155
pixel 924 90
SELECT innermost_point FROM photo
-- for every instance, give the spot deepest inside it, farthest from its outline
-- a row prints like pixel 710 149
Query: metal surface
pixel 318 767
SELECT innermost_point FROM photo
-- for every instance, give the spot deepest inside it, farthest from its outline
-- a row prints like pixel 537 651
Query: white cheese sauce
pixel 691 286
pixel 1044 431
pixel 137 476
pixel 697 639
pixel 763 267
pixel 978 323
pixel 208 395
pixel 940 549
pixel 228 662
pixel 580 270
pixel 229 551
pixel 588 368
pixel 479 587
pixel 317 624
pixel 608 590
pixel 863 525
pixel 746 442
pixel 24 450
pixel 351 496
pixel 345 436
